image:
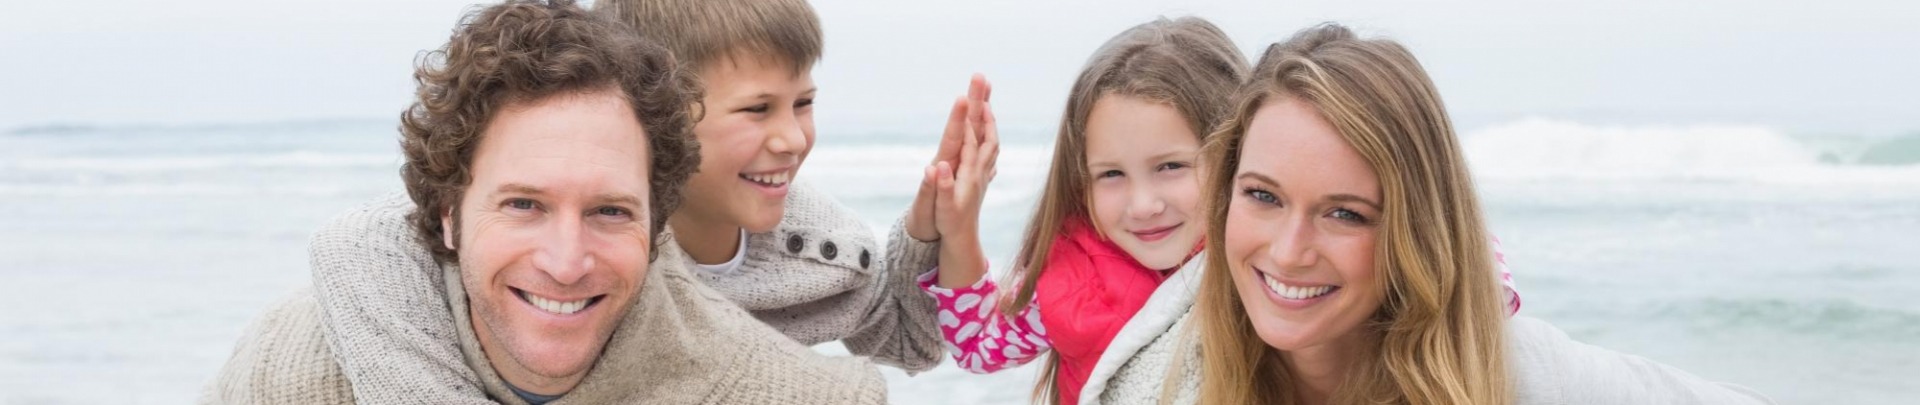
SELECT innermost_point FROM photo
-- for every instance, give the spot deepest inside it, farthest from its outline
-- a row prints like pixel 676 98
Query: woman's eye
pixel 1263 196
pixel 757 108
pixel 1347 215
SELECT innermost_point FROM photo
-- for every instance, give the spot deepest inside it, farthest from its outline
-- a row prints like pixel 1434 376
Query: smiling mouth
pixel 1294 292
pixel 556 307
pixel 1155 234
pixel 773 179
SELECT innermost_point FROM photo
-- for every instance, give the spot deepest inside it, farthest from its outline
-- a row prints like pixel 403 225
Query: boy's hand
pixel 920 219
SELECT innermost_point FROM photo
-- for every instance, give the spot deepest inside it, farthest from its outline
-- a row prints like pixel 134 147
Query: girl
pixel 1117 218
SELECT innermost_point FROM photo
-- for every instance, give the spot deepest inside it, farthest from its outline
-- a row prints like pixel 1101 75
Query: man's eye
pixel 611 211
pixel 521 204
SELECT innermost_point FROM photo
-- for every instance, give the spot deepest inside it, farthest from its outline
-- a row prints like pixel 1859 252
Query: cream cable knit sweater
pixel 681 343
pixel 1157 354
pixel 815 278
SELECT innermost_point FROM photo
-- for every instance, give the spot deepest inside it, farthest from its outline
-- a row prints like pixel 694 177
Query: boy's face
pixel 757 129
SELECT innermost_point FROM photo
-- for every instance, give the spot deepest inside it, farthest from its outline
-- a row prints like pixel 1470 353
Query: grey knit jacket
pixel 815 278
pixel 680 343
pixel 1155 359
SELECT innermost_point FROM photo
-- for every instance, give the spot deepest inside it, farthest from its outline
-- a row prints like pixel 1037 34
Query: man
pixel 545 151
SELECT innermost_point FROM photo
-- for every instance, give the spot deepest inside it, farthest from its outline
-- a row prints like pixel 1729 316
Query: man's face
pixel 553 235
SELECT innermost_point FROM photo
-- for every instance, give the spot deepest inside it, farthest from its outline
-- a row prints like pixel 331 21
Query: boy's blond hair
pixel 701 32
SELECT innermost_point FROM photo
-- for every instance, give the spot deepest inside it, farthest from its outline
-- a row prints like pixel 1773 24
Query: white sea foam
pixel 1545 149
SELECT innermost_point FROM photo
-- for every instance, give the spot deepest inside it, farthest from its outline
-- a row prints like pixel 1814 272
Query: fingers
pixel 979 89
pixel 990 138
pixel 949 149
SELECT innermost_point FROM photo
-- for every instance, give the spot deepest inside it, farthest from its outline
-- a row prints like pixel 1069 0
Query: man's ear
pixel 446 229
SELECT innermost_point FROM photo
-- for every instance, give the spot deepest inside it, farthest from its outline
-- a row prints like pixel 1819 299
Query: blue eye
pixel 1347 215
pixel 611 211
pixel 1172 166
pixel 520 204
pixel 1109 173
pixel 1262 196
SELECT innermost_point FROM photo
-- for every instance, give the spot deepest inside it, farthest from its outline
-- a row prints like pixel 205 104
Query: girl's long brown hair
pixel 1187 63
pixel 1438 336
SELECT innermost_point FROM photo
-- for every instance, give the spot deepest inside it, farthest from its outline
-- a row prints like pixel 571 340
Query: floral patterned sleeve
pixel 981 338
pixel 1506 279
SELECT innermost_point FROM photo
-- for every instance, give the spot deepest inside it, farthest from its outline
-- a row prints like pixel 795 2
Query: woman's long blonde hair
pixel 1438 336
pixel 1187 63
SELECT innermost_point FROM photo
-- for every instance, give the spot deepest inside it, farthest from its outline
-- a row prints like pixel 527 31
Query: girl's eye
pixel 1109 174
pixel 1262 196
pixel 1172 166
pixel 1349 216
pixel 802 103
pixel 757 108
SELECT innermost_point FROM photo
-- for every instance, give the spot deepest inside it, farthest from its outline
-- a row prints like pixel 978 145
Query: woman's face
pixel 1301 225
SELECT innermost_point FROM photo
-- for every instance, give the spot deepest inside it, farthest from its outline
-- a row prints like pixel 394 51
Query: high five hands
pixel 954 185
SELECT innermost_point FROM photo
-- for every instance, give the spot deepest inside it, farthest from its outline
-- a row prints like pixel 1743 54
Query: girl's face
pixel 1300 230
pixel 1145 187
pixel 757 129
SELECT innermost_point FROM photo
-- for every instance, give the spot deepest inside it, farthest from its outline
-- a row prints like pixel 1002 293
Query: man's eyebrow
pixel 517 188
pixel 620 198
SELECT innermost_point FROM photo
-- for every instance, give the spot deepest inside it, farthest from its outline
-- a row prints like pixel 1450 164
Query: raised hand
pixel 920 222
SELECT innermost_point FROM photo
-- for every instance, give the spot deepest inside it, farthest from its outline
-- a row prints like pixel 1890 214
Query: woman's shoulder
pixel 1548 366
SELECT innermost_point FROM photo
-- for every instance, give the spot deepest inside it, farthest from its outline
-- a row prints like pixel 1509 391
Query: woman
pixel 1343 260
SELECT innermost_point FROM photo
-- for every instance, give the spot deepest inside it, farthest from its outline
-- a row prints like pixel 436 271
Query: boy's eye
pixel 1347 215
pixel 757 108
pixel 1262 196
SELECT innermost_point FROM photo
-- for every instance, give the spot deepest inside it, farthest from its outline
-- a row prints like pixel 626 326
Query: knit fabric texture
pixel 815 278
pixel 681 342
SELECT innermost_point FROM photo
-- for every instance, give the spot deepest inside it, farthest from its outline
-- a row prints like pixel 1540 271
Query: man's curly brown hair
pixel 524 51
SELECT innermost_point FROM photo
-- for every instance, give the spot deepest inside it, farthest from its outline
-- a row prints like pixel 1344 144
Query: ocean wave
pixel 146 164
pixel 1835 317
pixel 1545 149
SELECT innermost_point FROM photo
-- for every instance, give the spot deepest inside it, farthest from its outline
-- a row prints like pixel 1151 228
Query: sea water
pixel 132 257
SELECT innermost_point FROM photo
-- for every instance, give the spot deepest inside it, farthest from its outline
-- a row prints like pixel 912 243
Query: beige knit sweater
pixel 1157 354
pixel 681 343
pixel 816 278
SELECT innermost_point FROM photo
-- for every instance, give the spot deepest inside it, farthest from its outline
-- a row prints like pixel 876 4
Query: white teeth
pixel 562 308
pixel 1295 292
pixel 774 179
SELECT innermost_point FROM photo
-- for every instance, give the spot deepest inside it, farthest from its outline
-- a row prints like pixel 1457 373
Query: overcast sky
pixel 1834 66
